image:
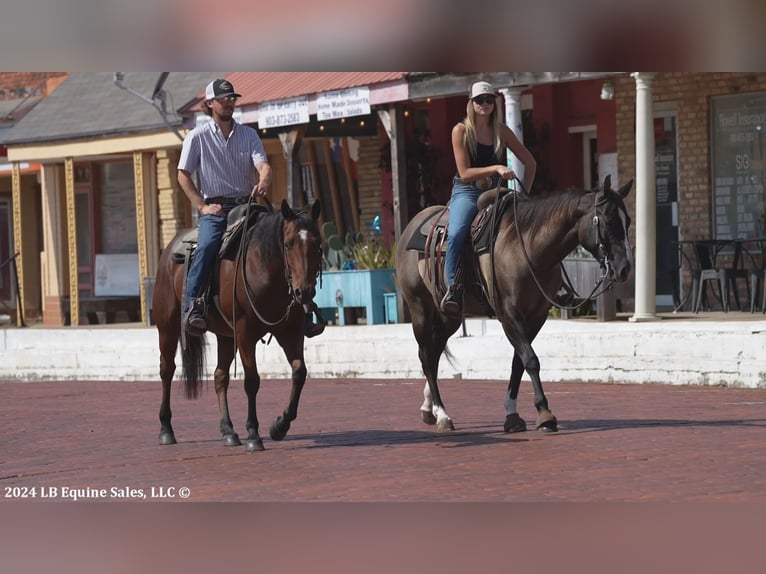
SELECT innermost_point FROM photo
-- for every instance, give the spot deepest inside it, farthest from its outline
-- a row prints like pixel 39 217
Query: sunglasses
pixel 227 99
pixel 484 100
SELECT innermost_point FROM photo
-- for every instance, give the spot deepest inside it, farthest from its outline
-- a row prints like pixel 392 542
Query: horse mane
pixel 536 212
pixel 267 231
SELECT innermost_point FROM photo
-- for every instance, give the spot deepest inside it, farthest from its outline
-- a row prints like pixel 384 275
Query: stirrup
pixel 451 303
pixel 194 321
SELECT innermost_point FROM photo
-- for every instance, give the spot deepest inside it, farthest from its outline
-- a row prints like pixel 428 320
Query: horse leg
pixel 513 422
pixel 252 385
pixel 432 340
pixel 545 419
pixel 168 346
pixel 293 349
pixel 281 424
pixel 226 354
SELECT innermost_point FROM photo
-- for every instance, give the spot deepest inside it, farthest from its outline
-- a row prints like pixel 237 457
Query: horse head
pixel 302 246
pixel 605 233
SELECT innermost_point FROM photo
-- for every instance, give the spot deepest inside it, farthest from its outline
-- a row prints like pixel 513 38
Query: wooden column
pixel 71 227
pixel 334 194
pixel 18 242
pixel 393 123
pixel 291 144
pixel 312 157
pixel 143 260
pixel 350 184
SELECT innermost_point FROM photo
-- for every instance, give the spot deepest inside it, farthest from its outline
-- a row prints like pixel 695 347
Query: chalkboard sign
pixel 738 126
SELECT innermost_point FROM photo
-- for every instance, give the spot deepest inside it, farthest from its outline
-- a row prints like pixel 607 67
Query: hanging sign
pixel 283 113
pixel 343 103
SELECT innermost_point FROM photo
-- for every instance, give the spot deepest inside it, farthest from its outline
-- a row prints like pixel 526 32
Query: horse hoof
pixel 279 428
pixel 428 417
pixel 254 445
pixel 231 440
pixel 546 422
pixel 514 423
pixel 167 438
pixel 446 425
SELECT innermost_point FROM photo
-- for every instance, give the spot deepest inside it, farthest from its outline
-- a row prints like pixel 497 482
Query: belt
pixel 221 200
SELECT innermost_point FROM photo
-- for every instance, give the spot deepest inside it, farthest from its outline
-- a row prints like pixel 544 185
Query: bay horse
pixel 261 290
pixel 520 275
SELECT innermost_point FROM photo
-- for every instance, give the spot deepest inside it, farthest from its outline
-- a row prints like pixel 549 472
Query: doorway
pixel 7 288
pixel 666 175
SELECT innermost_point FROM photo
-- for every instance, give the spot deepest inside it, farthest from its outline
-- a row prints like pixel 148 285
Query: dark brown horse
pixel 262 290
pixel 521 275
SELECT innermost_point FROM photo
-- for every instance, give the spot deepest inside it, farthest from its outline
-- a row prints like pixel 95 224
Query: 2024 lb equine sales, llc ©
pixel 88 493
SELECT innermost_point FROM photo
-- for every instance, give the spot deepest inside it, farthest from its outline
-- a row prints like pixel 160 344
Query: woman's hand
pixel 505 172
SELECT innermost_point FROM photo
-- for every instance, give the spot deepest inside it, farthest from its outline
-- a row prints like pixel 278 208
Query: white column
pixel 645 272
pixel 512 97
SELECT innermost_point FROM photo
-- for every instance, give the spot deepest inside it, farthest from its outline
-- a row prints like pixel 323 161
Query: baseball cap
pixel 220 89
pixel 481 88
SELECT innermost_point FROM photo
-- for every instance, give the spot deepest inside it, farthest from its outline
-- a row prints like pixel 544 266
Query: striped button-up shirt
pixel 226 167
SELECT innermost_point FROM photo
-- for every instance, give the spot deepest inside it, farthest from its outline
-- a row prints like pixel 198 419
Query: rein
pixel 604 262
pixel 248 291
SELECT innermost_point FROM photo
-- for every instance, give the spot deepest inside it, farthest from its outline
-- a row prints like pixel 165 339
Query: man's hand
pixel 212 209
pixel 259 190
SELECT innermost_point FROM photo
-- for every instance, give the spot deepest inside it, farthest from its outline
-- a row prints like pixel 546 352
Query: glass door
pixel 666 173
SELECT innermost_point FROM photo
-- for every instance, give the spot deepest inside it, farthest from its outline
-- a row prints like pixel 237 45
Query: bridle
pixel 294 299
pixel 604 258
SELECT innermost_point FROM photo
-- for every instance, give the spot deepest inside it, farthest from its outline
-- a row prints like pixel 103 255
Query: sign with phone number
pixel 283 113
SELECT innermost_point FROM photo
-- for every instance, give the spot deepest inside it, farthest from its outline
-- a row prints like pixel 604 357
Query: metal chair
pixel 738 271
pixel 705 270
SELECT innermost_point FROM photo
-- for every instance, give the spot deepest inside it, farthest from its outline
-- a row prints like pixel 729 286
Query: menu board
pixel 738 124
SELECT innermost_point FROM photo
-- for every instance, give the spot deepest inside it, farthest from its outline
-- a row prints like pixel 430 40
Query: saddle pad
pixel 418 240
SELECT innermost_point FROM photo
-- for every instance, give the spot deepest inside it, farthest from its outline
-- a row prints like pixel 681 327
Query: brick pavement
pixel 362 440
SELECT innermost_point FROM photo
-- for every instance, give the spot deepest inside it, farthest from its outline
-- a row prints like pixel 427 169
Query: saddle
pixel 235 226
pixel 430 242
pixel 237 221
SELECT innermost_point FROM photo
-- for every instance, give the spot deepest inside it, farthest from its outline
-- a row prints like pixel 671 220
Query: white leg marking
pixel 510 404
pixel 428 403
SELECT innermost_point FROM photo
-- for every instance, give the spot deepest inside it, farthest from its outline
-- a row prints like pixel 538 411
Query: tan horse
pixel 262 290
pixel 520 276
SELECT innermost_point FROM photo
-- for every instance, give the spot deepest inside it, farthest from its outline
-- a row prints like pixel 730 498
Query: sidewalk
pixel 706 349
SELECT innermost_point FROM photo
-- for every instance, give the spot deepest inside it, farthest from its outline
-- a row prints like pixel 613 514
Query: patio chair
pixel 704 271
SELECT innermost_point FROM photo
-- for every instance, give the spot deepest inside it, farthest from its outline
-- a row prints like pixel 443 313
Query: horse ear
pixel 625 189
pixel 608 183
pixel 287 212
pixel 316 208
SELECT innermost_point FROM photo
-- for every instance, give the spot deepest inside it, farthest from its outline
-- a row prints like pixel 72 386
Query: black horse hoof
pixel 231 440
pixel 514 423
pixel 279 428
pixel 428 417
pixel 167 438
pixel 254 445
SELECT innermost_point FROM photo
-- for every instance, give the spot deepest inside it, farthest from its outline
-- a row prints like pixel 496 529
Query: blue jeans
pixel 211 228
pixel 462 210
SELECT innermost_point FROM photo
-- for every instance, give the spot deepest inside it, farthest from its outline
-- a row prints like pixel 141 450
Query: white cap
pixel 481 88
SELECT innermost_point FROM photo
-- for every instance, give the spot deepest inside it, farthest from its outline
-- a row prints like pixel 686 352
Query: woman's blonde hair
pixel 470 129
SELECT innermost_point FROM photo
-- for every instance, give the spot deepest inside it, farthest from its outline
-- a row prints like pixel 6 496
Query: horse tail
pixel 193 360
pixel 450 357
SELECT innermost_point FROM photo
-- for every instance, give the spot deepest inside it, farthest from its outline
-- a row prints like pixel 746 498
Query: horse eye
pixel 288 244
